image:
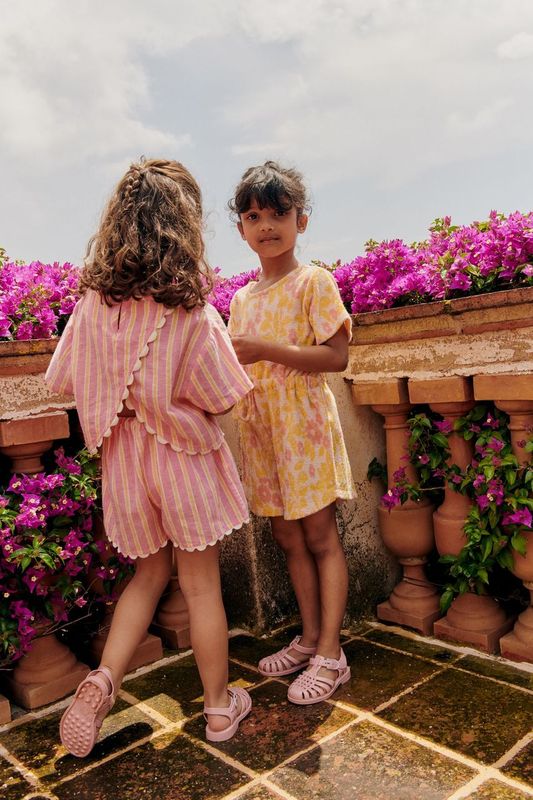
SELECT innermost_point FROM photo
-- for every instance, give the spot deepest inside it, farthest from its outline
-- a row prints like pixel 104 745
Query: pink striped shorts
pixel 152 494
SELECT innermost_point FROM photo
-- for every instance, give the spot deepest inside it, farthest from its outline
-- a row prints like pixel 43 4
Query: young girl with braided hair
pixel 150 365
pixel 288 329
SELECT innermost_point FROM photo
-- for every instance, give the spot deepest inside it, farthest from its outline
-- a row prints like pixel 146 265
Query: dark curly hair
pixel 271 186
pixel 150 242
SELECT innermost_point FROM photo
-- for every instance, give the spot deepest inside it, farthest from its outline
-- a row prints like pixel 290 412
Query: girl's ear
pixel 241 230
pixel 301 222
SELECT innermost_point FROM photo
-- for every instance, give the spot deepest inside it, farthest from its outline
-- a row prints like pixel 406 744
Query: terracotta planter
pixel 48 672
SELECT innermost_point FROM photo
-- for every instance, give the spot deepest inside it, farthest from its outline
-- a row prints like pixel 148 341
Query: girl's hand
pixel 249 349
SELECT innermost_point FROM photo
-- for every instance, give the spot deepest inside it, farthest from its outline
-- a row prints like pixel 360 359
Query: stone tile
pixel 495 669
pixel 37 745
pixel 366 761
pixel 166 768
pixel 379 674
pixel 275 728
pixel 250 650
pixel 175 689
pixel 413 646
pixel 465 712
pixel 12 785
pixel 259 793
pixel 495 790
pixel 521 766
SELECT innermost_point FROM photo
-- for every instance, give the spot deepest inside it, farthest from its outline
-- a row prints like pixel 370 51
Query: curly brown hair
pixel 271 186
pixel 150 242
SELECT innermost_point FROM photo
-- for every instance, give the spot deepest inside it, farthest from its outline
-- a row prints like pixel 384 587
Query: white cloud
pixel 363 95
pixel 72 78
pixel 518 46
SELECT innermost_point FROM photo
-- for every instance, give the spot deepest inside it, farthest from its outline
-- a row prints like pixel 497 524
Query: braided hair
pixel 150 242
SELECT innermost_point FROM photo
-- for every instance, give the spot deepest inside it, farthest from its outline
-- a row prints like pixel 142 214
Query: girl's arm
pixel 331 356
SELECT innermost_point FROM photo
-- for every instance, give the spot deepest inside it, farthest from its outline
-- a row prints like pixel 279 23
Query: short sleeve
pixel 58 376
pixel 325 308
pixel 215 380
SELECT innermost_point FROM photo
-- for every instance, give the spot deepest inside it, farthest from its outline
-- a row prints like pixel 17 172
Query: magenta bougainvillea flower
pixel 36 299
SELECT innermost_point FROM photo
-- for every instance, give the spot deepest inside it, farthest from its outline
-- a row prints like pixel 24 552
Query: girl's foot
pixel 320 680
pixel 218 729
pixel 81 722
pixel 287 660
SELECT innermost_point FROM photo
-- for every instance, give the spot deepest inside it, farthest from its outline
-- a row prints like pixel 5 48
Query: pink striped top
pixel 170 365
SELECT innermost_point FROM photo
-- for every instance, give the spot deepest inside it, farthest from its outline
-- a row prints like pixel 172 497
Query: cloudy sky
pixel 397 112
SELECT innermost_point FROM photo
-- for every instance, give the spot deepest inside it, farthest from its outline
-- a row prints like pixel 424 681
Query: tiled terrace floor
pixel 419 721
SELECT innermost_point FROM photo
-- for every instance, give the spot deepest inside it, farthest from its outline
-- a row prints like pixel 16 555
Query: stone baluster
pixel 407 530
pixel 171 621
pixel 476 619
pixel 513 394
pixel 5 710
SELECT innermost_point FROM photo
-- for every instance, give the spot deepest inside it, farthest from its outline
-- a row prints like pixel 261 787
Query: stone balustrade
pixel 448 356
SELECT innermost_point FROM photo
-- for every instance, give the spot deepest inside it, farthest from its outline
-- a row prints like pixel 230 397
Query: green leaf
pixel 519 543
pixel 483 575
pixel 505 559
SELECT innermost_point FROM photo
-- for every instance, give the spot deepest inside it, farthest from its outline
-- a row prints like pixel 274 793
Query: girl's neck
pixel 275 268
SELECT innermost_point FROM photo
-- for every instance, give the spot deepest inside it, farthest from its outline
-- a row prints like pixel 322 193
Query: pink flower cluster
pixel 225 288
pixel 454 261
pixel 36 299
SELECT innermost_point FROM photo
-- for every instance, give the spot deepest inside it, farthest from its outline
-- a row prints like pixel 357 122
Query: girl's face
pixel 269 232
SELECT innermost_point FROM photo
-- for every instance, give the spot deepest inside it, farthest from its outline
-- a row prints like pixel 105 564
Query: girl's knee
pixel 197 586
pixel 288 534
pixel 321 534
pixel 156 569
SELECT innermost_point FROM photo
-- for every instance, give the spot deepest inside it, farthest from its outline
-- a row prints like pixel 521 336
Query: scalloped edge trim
pixel 136 367
pixel 177 546
pixel 144 352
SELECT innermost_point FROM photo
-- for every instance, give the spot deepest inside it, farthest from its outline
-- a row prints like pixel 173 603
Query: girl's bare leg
pixel 199 579
pixel 289 534
pixel 135 610
pixel 322 539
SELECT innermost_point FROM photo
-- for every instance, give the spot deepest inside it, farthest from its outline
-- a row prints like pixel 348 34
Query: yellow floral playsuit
pixel 294 457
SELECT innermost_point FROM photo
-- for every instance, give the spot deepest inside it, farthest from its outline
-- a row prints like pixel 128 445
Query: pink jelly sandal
pixel 231 712
pixel 282 663
pixel 81 722
pixel 310 687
